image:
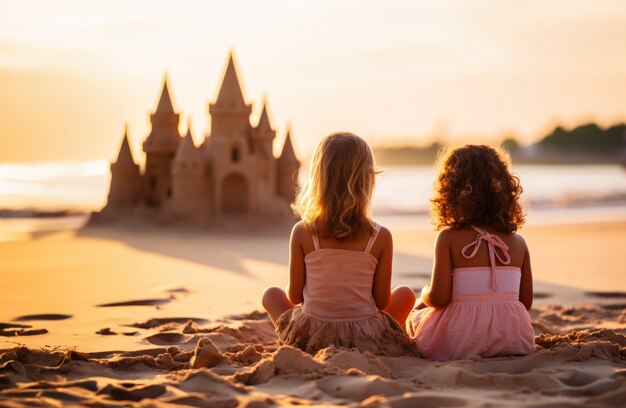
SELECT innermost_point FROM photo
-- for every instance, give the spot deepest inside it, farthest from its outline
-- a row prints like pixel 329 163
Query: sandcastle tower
pixel 189 182
pixel 287 169
pixel 160 148
pixel 125 191
pixel 230 150
pixel 263 146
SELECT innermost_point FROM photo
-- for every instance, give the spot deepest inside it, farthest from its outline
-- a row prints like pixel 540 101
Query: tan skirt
pixel 379 334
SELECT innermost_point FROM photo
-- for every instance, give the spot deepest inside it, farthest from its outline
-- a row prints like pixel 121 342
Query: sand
pixel 139 315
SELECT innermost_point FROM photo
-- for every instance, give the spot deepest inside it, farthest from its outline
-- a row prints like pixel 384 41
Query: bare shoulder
pixel 383 243
pixel 446 236
pixel 519 241
pixel 517 236
pixel 299 232
pixel 384 235
pixel 302 238
pixel 298 226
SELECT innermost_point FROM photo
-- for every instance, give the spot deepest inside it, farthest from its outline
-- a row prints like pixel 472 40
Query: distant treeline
pixel 406 155
pixel 587 143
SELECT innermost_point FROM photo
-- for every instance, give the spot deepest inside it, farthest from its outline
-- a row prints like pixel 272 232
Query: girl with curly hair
pixel 481 287
pixel 339 289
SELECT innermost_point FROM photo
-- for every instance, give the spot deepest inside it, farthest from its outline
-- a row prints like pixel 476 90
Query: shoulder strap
pixel 316 241
pixel 370 243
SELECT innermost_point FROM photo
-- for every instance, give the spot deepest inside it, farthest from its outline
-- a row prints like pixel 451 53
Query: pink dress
pixel 484 317
pixel 339 307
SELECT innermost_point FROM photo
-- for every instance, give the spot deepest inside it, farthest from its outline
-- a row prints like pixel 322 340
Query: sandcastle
pixel 232 173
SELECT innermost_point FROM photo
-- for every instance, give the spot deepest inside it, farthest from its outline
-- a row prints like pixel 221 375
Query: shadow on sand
pixel 227 248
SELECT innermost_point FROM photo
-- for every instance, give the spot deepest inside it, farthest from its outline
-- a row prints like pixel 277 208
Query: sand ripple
pixel 239 363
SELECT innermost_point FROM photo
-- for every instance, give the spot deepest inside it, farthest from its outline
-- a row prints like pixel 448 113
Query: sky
pixel 73 73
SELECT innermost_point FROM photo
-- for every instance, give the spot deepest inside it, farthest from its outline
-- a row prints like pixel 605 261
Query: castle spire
pixel 188 136
pixel 187 151
pixel 288 155
pixel 125 156
pixel 264 120
pixel 164 136
pixel 288 166
pixel 165 102
pixel 230 95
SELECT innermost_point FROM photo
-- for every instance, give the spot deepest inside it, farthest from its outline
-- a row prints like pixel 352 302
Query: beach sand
pixel 142 315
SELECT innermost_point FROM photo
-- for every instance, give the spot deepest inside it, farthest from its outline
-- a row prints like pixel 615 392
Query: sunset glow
pixel 72 73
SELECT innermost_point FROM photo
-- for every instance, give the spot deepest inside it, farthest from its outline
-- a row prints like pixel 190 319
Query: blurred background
pixel 547 81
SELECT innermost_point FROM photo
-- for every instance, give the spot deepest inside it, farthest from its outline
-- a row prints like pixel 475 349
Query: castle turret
pixel 188 159
pixel 125 188
pixel 263 135
pixel 190 189
pixel 263 141
pixel 287 174
pixel 230 113
pixel 160 147
pixel 232 162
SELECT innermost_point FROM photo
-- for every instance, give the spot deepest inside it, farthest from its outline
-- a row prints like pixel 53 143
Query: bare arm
pixel 295 286
pixel 439 293
pixel 381 290
pixel 526 284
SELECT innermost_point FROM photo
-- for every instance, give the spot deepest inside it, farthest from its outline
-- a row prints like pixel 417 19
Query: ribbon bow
pixel 493 241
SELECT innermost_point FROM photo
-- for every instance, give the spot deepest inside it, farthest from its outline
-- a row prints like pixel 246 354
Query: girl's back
pixel 484 316
pixel 339 304
pixel 459 239
pixel 481 285
pixel 339 289
pixel 339 278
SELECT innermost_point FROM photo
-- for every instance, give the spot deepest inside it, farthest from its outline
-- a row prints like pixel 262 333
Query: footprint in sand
pixel 166 339
pixel 178 290
pixel 14 329
pixel 161 321
pixel 426 401
pixel 576 378
pixel 48 316
pixel 14 326
pixel 108 332
pixel 607 295
pixel 142 302
pixel 614 306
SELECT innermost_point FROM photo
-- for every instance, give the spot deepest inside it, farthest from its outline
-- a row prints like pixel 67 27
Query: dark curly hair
pixel 475 187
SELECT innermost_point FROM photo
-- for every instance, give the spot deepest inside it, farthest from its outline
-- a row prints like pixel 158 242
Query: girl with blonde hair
pixel 339 289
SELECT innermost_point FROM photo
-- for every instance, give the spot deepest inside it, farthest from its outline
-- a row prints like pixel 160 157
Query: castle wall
pixel 125 190
pixel 157 181
pixel 235 174
pixel 229 123
pixel 190 196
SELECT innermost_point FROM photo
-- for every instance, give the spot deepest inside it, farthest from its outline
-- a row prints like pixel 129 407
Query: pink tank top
pixel 339 282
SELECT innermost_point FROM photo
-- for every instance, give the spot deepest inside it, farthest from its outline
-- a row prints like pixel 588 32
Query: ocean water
pixel 53 186
pixel 84 185
pixel 408 189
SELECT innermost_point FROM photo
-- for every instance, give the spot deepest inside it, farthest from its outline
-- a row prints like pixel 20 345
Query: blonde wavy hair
pixel 335 201
pixel 475 186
